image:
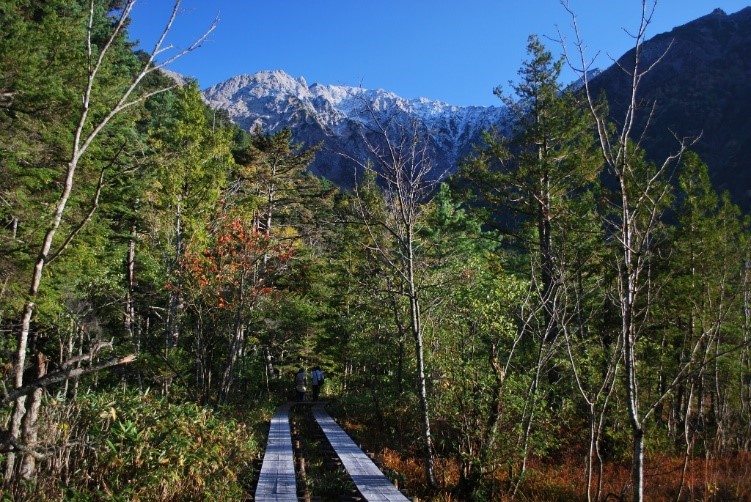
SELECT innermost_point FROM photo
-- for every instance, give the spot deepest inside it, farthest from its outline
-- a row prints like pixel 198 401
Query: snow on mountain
pixel 339 116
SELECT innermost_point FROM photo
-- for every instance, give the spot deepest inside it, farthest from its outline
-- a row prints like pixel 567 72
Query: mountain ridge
pixel 339 116
pixel 710 101
pixel 711 54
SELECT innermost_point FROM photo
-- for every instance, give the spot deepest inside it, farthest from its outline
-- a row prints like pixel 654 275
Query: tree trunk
pixel 632 395
pixel 229 371
pixel 130 313
pixel 414 306
pixel 400 334
pixel 637 469
pixel 19 408
pixel 688 438
pixel 268 364
pixel 175 299
pixel 423 396
pixel 30 424
pixel 546 261
pixel 494 415
pixel 529 415
pixel 235 345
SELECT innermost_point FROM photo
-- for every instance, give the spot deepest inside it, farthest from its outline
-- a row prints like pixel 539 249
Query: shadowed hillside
pixel 701 87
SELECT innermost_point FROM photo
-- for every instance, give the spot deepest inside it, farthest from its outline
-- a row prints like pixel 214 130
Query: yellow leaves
pixel 108 414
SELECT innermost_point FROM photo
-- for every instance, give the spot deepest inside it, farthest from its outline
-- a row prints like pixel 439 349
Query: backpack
pixel 318 375
pixel 300 382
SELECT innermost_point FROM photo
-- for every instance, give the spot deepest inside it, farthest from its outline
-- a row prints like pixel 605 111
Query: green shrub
pixel 129 445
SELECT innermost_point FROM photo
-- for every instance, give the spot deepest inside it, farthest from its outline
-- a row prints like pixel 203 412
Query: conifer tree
pixel 100 81
pixel 701 309
pixel 530 182
pixel 273 179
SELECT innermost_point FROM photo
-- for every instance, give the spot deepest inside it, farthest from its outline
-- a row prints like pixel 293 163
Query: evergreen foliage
pixel 474 327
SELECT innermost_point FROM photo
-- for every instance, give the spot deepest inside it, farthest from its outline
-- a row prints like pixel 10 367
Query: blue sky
pixel 448 50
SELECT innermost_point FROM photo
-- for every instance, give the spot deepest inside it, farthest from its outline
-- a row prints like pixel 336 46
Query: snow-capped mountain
pixel 701 88
pixel 340 117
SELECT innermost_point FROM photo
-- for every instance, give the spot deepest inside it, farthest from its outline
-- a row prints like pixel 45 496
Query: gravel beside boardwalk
pixel 277 478
pixel 368 478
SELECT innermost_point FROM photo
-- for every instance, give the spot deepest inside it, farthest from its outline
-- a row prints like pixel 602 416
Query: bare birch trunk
pixel 130 314
pixel 30 429
pixel 80 145
pixel 404 166
pixel 421 378
pixel 19 408
pixel 640 210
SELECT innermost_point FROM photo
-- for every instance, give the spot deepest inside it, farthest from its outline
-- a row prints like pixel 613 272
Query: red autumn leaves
pixel 236 264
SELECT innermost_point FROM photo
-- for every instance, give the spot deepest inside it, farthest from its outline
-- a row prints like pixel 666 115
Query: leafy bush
pixel 129 445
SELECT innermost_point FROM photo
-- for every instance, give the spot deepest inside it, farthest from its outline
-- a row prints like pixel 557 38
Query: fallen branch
pixel 65 374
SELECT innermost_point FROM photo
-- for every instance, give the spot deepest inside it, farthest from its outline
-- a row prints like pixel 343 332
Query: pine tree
pixel 81 51
pixel 272 177
pixel 532 183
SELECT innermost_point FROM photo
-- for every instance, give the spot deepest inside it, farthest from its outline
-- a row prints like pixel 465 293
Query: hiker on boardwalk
pixel 316 380
pixel 301 383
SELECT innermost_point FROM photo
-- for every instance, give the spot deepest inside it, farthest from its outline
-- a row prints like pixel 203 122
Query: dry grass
pixel 562 478
pixel 727 479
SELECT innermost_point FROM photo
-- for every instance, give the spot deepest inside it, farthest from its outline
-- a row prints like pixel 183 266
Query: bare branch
pixel 77 229
pixel 65 374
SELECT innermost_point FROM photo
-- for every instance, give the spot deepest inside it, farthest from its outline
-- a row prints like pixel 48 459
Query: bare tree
pixel 596 392
pixel 637 209
pixel 533 308
pixel 23 424
pixel 402 165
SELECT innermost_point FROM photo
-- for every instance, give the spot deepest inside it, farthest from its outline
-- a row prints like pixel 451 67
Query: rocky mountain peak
pixel 700 86
pixel 339 116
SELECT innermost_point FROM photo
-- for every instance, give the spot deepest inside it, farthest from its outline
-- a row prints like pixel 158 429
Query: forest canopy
pixel 560 302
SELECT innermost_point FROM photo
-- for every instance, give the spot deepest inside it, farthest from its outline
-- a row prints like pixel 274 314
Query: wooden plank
pixel 277 479
pixel 372 484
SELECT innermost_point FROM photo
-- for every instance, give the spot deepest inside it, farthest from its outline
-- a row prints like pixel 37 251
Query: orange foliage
pixel 723 479
pixel 236 265
pixel 719 480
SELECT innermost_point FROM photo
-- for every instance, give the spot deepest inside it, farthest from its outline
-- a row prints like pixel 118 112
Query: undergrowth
pixel 560 479
pixel 126 445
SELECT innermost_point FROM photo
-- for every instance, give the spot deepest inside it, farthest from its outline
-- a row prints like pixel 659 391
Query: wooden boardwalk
pixel 370 481
pixel 277 478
